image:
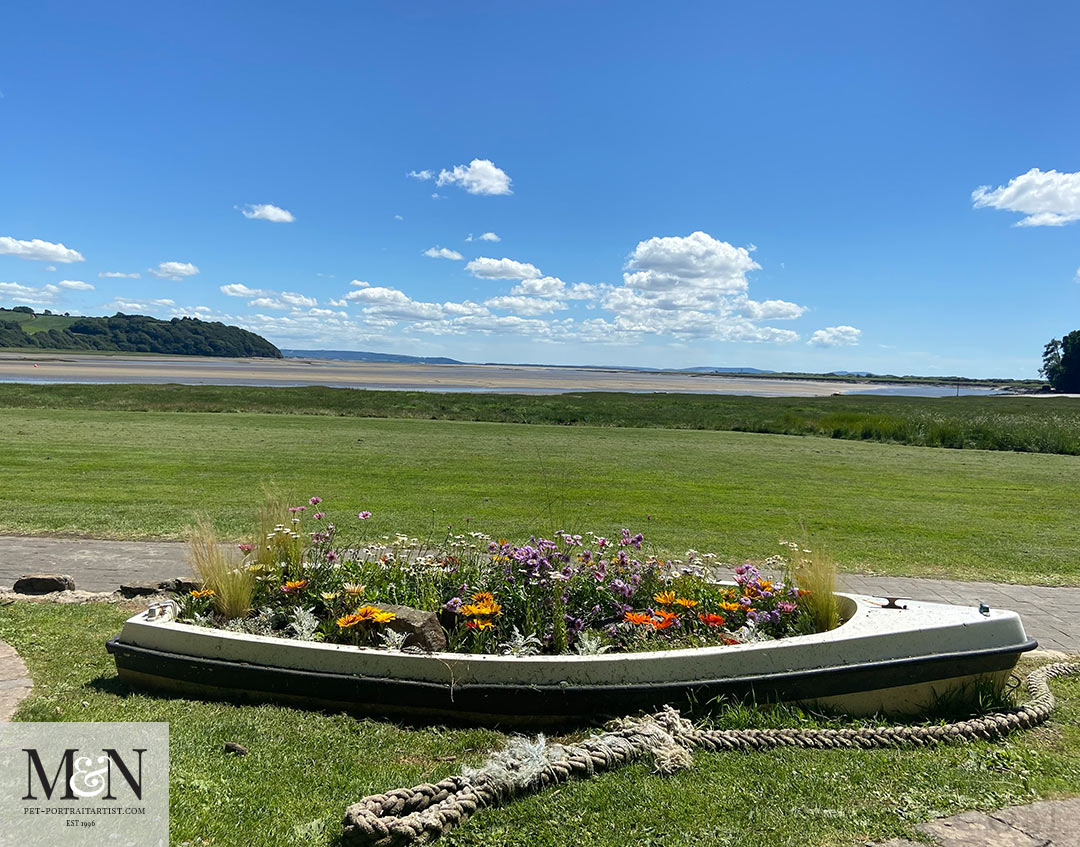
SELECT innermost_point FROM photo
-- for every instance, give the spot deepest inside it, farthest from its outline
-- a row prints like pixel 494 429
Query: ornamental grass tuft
pixel 221 571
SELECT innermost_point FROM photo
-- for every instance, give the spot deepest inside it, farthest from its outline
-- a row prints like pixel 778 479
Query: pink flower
pixel 245 548
pixel 319 515
pixel 364 515
pixel 314 501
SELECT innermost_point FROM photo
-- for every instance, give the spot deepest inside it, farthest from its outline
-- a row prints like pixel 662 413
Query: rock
pixel 422 628
pixel 43 583
pixel 140 589
pixel 181 585
pixel 237 749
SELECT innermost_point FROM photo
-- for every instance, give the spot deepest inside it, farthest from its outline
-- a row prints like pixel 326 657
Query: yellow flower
pixel 328 596
pixel 685 602
pixel 483 598
pixel 206 592
pixel 665 598
pixel 348 621
pixel 353 589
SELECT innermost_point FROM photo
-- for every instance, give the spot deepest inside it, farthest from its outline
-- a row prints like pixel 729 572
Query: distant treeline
pixel 142 334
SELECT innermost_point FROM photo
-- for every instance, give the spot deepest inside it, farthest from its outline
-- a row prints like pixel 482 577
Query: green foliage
pixel 220 570
pixel 1061 363
pixel 135 334
pixel 1027 425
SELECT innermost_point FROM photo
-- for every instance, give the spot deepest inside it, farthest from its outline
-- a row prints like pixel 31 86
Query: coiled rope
pixel 425 812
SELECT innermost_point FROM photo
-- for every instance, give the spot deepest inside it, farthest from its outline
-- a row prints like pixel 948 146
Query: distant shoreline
pixel 64 367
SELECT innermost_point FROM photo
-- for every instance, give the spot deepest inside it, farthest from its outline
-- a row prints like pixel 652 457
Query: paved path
pixel 14 681
pixel 1051 615
pixel 1047 824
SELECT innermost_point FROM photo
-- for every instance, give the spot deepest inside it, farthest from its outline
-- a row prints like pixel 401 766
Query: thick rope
pixel 425 812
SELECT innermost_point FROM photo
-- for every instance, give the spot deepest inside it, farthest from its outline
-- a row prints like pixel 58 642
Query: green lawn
pixel 887 508
pixel 304 768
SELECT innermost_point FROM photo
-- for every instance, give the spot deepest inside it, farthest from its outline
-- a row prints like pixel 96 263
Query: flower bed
pixel 302 577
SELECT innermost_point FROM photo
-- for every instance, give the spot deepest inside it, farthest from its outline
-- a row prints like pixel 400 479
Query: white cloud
pixel 28 295
pixel 487 236
pixel 480 176
pixel 174 270
pixel 422 175
pixel 294 298
pixel 398 218
pixel 443 253
pixel 780 310
pixel 1047 198
pixel 238 289
pixel 553 287
pixel 38 250
pixel 485 268
pixel 835 336
pixel 76 285
pixel 698 262
pixel 130 306
pixel 118 275
pixel 267 303
pixel 525 305
pixel 50 268
pixel 267 212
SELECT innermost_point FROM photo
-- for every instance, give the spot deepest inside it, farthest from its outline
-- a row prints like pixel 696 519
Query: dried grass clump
pixel 814 572
pixel 221 570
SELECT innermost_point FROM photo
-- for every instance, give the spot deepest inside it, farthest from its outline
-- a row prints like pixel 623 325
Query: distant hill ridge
pixel 364 356
pixel 22 327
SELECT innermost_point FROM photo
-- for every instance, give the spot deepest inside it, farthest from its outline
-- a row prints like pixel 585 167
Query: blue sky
pixel 786 186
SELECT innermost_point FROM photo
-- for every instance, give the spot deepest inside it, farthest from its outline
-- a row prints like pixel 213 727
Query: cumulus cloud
pixel 1046 198
pixel 525 305
pixel 267 303
pixel 294 298
pixel 835 336
pixel 76 285
pixel 238 289
pixel 267 212
pixel 437 252
pixel 118 275
pixel 28 295
pixel 487 236
pixel 174 270
pixel 555 288
pixel 38 250
pixel 422 175
pixel 480 176
pixel 485 268
pixel 697 261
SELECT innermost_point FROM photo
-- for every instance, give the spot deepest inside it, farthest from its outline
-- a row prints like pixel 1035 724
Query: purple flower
pixel 314 501
pixel 364 515
pixel 453 605
pixel 319 515
pixel 332 557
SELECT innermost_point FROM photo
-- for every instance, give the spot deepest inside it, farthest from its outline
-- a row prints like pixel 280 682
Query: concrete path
pixel 1051 615
pixel 1051 823
pixel 15 682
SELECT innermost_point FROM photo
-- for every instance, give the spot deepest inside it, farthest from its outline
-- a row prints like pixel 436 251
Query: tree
pixel 1061 363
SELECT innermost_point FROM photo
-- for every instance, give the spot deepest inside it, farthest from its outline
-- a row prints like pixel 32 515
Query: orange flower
pixel 639 618
pixel 803 593
pixel 480 625
pixel 483 598
pixel 685 602
pixel 730 607
pixel 766 585
pixel 374 614
pixel 710 619
pixel 665 620
pixel 297 585
pixel 665 598
pixel 348 621
pixel 206 592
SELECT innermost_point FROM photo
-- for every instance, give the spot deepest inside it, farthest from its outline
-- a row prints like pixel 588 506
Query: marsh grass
pixel 1029 425
pixel 220 569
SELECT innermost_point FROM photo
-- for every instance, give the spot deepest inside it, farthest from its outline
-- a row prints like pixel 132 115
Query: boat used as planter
pixel 884 658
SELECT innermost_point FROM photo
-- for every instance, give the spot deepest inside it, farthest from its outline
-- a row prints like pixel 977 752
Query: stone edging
pixel 15 682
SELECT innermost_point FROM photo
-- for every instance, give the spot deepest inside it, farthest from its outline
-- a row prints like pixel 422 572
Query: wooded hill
pixel 21 327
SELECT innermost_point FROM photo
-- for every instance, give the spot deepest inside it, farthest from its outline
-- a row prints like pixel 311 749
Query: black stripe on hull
pixel 528 704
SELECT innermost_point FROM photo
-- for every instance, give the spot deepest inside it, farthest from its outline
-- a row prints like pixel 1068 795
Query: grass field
pixel 885 508
pixel 988 423
pixel 304 768
pixel 37 323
